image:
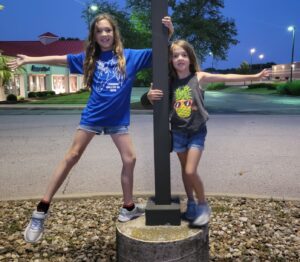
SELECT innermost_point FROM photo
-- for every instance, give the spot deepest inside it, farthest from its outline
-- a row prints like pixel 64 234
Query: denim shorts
pixel 183 141
pixel 106 130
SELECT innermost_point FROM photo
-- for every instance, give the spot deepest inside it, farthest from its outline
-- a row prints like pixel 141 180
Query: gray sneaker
pixel 126 215
pixel 35 228
pixel 202 215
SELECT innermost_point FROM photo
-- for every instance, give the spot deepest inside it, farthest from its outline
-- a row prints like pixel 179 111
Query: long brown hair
pixel 93 50
pixel 188 48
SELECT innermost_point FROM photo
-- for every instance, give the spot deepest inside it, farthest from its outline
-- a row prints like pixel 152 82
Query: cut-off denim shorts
pixel 106 130
pixel 183 141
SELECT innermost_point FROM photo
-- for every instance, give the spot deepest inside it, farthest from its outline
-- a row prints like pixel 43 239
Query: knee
pixel 72 157
pixel 129 160
pixel 190 173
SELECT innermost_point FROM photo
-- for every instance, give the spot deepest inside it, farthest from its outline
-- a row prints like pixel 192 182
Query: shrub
pixel 50 93
pixel 21 98
pixel 282 89
pixel 82 90
pixel 11 98
pixel 216 86
pixel 269 86
pixel 143 78
pixel 289 88
pixel 294 88
pixel 41 94
pixel 31 94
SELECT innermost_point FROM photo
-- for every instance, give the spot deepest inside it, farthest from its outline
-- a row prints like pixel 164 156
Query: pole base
pixel 158 215
pixel 137 242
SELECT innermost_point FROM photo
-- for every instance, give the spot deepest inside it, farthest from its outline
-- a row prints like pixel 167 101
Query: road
pixel 256 155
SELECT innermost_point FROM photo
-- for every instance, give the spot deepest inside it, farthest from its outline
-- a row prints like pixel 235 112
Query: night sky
pixel 261 24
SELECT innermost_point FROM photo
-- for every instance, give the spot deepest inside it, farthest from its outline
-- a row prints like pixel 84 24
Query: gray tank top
pixel 188 113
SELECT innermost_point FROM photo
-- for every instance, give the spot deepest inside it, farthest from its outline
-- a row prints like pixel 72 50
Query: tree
pixel 142 32
pixel 244 68
pixel 122 18
pixel 201 23
pixel 5 75
pixel 198 21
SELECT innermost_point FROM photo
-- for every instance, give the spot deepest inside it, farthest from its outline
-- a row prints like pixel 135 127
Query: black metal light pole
pixel 261 57
pixel 212 60
pixel 252 51
pixel 161 209
pixel 292 29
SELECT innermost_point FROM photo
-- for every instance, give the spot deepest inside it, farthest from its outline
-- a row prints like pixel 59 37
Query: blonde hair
pixel 93 50
pixel 188 48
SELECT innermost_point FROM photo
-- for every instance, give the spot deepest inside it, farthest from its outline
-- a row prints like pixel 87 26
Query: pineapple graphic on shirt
pixel 183 102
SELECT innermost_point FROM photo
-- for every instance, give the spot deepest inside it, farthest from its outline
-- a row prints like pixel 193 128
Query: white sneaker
pixel 126 215
pixel 202 215
pixel 34 230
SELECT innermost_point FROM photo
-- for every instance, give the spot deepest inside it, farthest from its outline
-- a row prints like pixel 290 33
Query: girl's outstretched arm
pixel 208 78
pixel 24 59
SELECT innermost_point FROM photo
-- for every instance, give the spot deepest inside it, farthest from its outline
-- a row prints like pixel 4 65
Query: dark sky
pixel 261 24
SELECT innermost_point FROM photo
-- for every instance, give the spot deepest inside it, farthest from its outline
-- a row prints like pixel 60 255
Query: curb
pixel 148 194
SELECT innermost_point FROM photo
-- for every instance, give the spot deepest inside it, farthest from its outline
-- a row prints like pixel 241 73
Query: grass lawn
pixel 81 98
pixel 75 99
pixel 254 91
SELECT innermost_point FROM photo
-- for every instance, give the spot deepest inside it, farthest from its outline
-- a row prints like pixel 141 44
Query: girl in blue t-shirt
pixel 188 120
pixel 109 71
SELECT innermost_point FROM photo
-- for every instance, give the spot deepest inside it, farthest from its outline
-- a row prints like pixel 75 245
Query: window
pixel 73 84
pixel 58 84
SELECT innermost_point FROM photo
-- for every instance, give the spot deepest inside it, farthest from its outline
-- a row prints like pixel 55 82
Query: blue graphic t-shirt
pixel 109 102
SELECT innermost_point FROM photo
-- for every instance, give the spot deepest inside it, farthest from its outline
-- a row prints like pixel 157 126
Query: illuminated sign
pixel 40 68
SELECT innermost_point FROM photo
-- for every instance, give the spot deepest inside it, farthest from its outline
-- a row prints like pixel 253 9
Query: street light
pixel 91 10
pixel 252 51
pixel 212 59
pixel 292 29
pixel 261 57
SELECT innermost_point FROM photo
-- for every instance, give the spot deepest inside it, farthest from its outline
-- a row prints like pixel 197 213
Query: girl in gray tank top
pixel 188 120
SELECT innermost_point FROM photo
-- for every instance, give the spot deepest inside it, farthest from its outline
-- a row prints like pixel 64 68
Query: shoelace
pixel 36 224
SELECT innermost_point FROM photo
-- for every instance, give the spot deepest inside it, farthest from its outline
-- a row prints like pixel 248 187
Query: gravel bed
pixel 241 229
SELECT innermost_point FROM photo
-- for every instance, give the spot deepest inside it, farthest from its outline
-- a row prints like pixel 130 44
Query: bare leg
pixel 80 142
pixel 191 178
pixel 186 182
pixel 124 144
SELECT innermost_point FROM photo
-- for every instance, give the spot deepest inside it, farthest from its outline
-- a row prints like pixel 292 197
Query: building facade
pixel 282 72
pixel 39 77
